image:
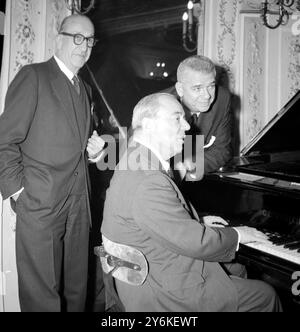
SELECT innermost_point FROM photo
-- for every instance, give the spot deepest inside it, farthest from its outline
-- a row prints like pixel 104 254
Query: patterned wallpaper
pixel 227 39
pixel 56 10
pixel 293 72
pixel 253 76
pixel 260 66
pixel 34 23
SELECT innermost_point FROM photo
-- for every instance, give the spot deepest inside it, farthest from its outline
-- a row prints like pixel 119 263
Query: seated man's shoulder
pixel 138 176
pixel 155 179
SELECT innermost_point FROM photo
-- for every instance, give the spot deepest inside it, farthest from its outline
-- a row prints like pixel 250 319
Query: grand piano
pixel 261 188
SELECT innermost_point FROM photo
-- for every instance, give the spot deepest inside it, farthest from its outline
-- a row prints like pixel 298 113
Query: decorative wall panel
pixel 260 66
pixel 253 73
pixel 291 68
pixel 56 11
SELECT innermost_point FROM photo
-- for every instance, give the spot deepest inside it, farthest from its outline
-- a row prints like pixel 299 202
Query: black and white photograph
pixel 149 158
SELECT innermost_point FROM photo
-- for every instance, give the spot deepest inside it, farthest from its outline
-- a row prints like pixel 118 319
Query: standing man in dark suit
pixel 146 211
pixel 44 152
pixel 207 109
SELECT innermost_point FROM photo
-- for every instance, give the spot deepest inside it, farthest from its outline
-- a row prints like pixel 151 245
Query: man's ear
pixel 58 41
pixel 147 124
pixel 179 89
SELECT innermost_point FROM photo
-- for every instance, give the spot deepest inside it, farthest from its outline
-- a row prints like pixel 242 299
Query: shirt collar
pixel 188 112
pixel 64 68
pixel 165 164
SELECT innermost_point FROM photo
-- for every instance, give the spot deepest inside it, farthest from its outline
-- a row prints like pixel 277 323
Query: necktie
pixel 170 173
pixel 193 120
pixel 76 84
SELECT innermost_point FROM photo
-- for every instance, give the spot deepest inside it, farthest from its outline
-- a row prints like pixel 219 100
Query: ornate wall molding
pixel 261 66
pixel 254 41
pixel 34 24
pixel 227 39
pixel 293 73
pixel 56 10
pixel 24 31
pixel 251 5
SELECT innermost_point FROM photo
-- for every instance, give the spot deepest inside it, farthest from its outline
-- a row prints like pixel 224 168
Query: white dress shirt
pixel 165 164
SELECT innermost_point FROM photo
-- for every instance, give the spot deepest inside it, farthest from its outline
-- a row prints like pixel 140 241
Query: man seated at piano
pixel 207 110
pixel 163 257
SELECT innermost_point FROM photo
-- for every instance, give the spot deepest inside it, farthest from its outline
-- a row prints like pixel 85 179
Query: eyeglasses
pixel 78 39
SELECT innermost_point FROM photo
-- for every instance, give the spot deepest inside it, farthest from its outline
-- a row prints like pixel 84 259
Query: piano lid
pixel 280 134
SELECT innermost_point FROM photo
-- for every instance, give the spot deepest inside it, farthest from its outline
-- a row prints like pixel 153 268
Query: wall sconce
pixel 75 6
pixel 190 25
pixel 282 12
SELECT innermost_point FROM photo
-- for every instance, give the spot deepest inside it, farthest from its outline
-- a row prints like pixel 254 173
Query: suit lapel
pixel 207 121
pixel 88 114
pixel 150 159
pixel 187 205
pixel 60 88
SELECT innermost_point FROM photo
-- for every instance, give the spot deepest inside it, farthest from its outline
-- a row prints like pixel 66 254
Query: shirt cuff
pixel 18 192
pixel 95 160
pixel 239 239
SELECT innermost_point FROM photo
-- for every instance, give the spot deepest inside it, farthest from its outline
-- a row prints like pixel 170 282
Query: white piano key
pixel 278 251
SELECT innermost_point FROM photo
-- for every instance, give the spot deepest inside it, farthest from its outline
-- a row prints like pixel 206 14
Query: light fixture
pixel 159 70
pixel 281 12
pixel 75 6
pixel 190 25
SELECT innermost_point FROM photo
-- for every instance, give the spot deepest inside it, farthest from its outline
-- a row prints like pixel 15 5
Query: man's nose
pixel 205 93
pixel 84 45
pixel 186 125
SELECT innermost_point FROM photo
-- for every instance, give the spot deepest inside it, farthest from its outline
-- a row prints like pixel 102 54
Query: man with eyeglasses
pixel 45 146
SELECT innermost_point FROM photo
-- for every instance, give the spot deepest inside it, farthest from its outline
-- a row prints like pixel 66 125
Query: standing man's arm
pixel 20 105
pixel 95 147
pixel 220 152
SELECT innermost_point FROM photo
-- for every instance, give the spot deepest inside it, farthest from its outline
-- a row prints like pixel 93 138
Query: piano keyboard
pixel 275 250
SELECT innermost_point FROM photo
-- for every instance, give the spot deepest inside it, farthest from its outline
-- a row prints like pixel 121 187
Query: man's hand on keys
pixel 250 234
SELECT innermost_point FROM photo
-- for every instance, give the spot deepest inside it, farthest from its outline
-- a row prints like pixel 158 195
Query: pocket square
pixel 211 142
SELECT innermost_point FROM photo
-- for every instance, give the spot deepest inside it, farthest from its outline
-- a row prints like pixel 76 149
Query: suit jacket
pixel 216 122
pixel 41 148
pixel 146 210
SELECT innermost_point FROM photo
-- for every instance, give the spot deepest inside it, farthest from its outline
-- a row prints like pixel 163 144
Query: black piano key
pixel 294 247
pixel 281 240
pixel 292 244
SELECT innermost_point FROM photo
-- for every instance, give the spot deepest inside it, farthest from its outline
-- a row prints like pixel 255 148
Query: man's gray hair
pixel 147 107
pixel 197 63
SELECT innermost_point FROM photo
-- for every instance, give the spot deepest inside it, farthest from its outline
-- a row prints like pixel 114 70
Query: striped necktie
pixel 76 84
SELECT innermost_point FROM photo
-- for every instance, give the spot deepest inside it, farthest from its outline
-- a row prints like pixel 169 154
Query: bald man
pixel 46 142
